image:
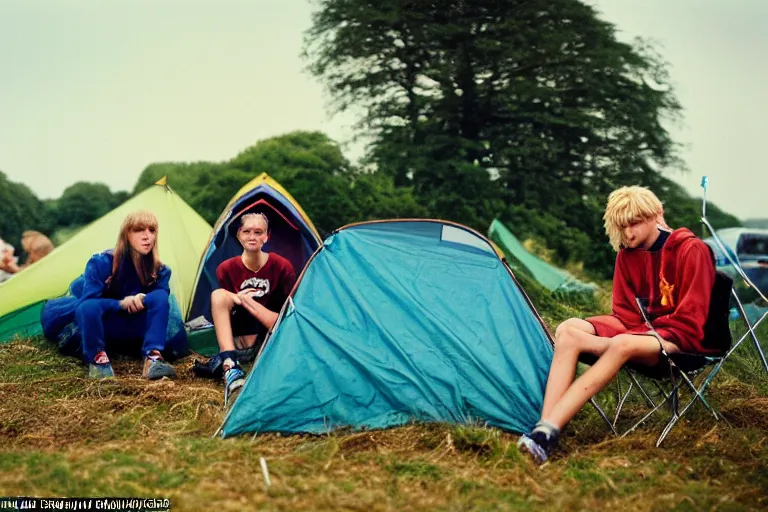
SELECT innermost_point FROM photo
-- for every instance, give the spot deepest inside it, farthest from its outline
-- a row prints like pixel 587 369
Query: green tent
pixel 554 279
pixel 183 236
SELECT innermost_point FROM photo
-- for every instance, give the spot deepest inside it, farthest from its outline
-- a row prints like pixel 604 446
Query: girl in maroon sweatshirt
pixel 671 271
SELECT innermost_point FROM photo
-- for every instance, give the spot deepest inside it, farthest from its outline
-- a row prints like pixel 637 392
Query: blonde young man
pixel 671 271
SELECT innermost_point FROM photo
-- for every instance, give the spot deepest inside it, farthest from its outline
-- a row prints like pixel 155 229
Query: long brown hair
pixel 147 266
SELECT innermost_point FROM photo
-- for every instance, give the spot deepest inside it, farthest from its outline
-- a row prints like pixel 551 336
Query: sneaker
pixel 211 369
pixel 155 367
pixel 234 378
pixel 546 439
pixel 528 445
pixel 100 368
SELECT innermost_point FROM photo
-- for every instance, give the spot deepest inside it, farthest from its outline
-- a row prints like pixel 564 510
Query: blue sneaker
pixel 234 378
pixel 100 367
pixel 155 367
pixel 528 445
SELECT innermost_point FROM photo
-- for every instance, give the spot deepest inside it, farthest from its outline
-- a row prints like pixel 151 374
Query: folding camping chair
pixel 740 271
pixel 678 370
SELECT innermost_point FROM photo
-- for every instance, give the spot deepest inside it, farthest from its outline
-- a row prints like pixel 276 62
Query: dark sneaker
pixel 156 368
pixel 545 439
pixel 211 369
pixel 100 367
pixel 537 452
pixel 234 378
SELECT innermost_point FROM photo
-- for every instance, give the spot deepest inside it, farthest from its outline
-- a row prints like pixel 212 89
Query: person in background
pixel 7 260
pixel 35 244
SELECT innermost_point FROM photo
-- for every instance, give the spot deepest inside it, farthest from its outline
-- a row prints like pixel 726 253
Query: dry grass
pixel 64 435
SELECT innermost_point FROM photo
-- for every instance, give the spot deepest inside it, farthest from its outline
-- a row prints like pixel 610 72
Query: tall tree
pixel 532 102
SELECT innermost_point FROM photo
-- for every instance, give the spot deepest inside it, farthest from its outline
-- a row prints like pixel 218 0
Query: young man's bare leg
pixel 615 353
pixel 572 337
pixel 622 349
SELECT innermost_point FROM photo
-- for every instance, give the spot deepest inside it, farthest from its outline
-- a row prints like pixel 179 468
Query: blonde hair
pixel 627 205
pixel 146 266
pixel 253 216
pixel 36 245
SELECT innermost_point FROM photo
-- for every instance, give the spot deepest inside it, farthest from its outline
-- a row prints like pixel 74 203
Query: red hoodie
pixel 677 281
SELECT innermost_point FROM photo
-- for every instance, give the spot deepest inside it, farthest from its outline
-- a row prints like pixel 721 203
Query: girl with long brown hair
pixel 125 301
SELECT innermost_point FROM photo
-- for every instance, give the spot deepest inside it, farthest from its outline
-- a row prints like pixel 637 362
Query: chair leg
pixel 621 398
pixel 602 414
pixel 648 415
pixel 751 329
pixel 674 402
pixel 647 398
pixel 698 392
pixel 667 429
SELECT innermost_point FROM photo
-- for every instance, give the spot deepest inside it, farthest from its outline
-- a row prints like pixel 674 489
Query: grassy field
pixel 64 435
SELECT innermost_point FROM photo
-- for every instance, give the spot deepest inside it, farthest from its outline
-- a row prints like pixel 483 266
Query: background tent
pixel 183 235
pixel 394 321
pixel 554 279
pixel 292 235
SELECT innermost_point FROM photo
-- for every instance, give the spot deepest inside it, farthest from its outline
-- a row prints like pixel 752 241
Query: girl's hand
pixel 133 303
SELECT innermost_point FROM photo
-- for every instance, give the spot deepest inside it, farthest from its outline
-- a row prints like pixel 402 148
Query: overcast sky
pixel 96 91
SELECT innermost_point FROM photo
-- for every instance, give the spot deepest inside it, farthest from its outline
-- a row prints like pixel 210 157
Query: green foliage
pixel 20 210
pixel 184 178
pixel 309 165
pixel 377 197
pixel 285 156
pixel 83 202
